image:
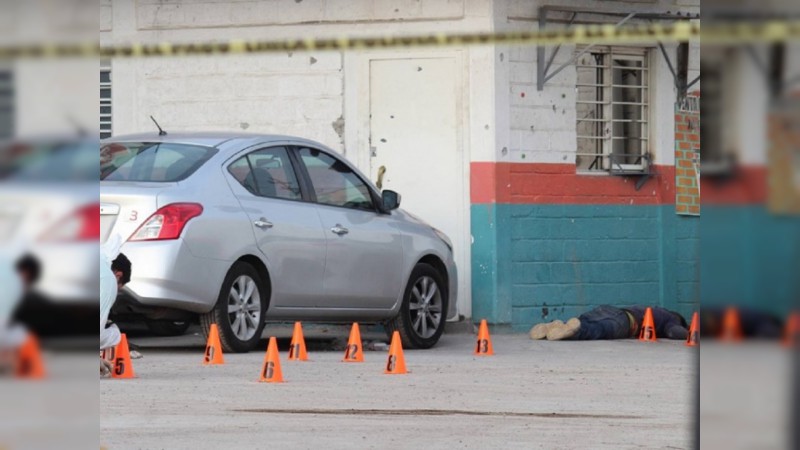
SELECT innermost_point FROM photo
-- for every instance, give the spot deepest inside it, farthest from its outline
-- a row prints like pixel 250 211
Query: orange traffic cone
pixel 354 351
pixel 792 335
pixel 297 349
pixel 271 370
pixel 693 340
pixel 123 368
pixel 484 344
pixel 29 360
pixel 731 326
pixel 213 356
pixel 648 331
pixel 396 362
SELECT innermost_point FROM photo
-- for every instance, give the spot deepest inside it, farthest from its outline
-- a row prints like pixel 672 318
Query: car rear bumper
pixel 167 274
pixel 70 272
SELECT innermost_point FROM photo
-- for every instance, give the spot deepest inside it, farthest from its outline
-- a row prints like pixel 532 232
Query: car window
pixel 267 173
pixel 151 161
pixel 333 182
pixel 56 161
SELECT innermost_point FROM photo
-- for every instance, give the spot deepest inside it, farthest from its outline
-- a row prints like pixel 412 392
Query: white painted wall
pixel 300 93
pixel 319 95
pixel 542 123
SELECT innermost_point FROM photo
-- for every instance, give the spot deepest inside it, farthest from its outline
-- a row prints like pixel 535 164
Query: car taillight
pixel 82 225
pixel 167 222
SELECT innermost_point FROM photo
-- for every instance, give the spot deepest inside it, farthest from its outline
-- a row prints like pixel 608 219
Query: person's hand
pixel 7 362
pixel 105 367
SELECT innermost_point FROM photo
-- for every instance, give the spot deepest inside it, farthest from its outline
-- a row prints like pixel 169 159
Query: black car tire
pixel 404 321
pixel 220 316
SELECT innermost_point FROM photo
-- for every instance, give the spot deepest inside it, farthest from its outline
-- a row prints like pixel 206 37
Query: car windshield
pixel 151 161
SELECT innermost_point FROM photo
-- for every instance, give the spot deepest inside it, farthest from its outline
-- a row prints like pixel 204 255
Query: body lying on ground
pixel 611 322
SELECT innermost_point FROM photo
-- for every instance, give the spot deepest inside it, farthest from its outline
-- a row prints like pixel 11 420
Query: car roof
pixel 206 138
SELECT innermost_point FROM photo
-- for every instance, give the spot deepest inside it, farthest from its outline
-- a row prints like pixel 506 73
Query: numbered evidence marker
pixel 213 355
pixel 30 364
pixel 297 348
pixel 693 340
pixel 271 370
pixel 123 367
pixel 396 362
pixel 483 347
pixel 648 331
pixel 354 351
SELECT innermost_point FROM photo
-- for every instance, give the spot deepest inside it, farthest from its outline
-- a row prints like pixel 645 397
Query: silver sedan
pixel 238 229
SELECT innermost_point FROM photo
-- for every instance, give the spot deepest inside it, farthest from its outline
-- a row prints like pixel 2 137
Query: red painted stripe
pixel 747 186
pixel 533 183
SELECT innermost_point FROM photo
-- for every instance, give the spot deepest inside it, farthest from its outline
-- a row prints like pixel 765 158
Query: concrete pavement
pixel 614 394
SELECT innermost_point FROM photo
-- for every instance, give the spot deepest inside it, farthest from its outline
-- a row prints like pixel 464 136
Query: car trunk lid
pixel 124 206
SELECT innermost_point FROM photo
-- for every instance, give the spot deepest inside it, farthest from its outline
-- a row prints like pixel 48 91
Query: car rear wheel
pixel 168 327
pixel 239 312
pixel 424 311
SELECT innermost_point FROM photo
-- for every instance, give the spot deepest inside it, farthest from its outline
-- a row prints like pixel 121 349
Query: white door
pixel 415 137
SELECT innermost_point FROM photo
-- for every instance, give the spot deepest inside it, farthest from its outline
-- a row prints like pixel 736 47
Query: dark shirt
pixel 665 320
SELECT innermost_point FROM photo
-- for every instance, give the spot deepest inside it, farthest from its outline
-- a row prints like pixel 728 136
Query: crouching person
pixel 15 283
pixel 609 322
pixel 115 272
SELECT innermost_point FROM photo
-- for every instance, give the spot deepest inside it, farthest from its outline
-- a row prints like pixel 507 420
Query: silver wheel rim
pixel 425 307
pixel 244 307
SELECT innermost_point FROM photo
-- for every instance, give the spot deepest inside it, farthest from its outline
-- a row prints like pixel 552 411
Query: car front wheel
pixel 239 312
pixel 423 313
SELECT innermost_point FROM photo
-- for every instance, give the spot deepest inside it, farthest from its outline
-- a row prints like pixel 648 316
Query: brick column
pixel 687 157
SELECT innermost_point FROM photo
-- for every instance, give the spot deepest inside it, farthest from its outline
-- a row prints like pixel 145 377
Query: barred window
pixel 105 101
pixel 612 110
pixel 6 103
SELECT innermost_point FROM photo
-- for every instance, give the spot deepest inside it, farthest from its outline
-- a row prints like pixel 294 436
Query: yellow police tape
pixel 732 33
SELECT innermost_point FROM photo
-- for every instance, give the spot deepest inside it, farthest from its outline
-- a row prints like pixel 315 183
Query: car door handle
pixel 340 230
pixel 263 223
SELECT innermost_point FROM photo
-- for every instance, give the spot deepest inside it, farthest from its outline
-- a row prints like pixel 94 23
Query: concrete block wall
pixel 751 253
pixel 297 94
pixel 555 243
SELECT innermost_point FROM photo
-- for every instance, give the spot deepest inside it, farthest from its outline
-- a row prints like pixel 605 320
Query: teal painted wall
pixel 750 258
pixel 534 263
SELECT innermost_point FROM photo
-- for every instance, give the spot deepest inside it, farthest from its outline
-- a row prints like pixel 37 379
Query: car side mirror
pixel 391 200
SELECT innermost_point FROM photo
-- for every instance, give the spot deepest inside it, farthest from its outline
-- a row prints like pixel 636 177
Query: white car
pixel 237 229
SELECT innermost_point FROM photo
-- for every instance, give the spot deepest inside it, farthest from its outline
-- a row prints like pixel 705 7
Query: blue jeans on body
pixel 603 322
